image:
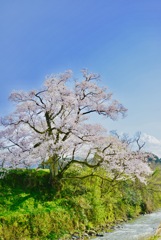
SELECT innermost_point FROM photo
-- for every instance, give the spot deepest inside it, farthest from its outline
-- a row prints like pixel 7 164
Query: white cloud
pixel 152 144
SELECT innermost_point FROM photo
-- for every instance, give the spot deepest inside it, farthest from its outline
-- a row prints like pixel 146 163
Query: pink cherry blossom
pixel 52 125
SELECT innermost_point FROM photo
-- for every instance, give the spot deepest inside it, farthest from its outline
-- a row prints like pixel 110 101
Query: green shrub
pixel 31 209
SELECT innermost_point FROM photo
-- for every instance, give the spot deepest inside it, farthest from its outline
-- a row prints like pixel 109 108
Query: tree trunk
pixel 54 170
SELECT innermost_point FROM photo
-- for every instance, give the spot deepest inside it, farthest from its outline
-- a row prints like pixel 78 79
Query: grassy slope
pixel 31 209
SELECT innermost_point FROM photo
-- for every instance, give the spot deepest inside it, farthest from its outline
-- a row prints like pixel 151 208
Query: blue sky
pixel 120 40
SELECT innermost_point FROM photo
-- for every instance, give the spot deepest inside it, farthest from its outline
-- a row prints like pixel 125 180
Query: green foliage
pixel 154 238
pixel 31 209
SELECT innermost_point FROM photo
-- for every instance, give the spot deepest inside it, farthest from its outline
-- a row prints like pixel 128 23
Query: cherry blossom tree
pixel 52 126
pixel 126 157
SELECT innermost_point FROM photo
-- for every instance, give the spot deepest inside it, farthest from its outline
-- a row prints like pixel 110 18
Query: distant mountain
pixel 152 144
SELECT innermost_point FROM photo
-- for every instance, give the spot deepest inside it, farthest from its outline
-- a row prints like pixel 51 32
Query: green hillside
pixel 31 209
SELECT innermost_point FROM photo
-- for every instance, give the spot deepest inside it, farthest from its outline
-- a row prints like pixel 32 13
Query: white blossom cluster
pixel 52 125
